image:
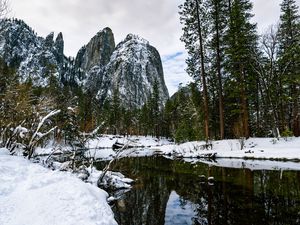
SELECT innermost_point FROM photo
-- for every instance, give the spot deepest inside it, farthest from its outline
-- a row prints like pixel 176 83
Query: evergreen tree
pixel 194 20
pixel 289 61
pixel 116 112
pixel 241 45
pixel 218 15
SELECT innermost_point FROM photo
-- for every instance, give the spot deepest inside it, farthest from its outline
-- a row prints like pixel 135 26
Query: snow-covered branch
pixel 41 123
pixel 37 135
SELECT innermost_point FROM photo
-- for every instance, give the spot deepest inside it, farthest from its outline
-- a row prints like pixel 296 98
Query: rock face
pixel 131 68
pixel 97 52
pixel 91 61
pixel 34 57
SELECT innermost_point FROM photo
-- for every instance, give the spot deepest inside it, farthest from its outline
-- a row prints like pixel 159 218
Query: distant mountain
pixel 129 69
pixel 133 69
pixel 34 57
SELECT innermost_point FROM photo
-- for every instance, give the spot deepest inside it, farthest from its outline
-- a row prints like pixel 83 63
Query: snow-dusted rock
pixel 134 67
pixel 99 67
pixel 35 58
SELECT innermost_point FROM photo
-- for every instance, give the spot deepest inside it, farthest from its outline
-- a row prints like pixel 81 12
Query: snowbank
pixel 101 147
pixel 31 194
pixel 254 148
pixel 252 164
pixel 106 141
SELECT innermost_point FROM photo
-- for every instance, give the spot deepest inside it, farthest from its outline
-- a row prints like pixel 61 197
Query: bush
pixel 287 133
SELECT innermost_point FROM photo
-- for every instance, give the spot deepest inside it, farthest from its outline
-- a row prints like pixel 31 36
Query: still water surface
pixel 176 192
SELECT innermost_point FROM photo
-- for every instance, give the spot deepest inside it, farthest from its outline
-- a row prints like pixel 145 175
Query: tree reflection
pixel 237 196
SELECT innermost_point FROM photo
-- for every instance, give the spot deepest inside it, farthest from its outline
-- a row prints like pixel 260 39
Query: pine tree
pixel 218 15
pixel 241 44
pixel 154 106
pixel 289 60
pixel 116 111
pixel 194 19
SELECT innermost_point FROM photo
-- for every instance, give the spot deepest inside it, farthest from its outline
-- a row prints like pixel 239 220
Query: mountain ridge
pixel 132 66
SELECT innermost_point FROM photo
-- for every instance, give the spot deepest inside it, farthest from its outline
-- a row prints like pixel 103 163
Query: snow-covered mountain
pixel 34 57
pixel 131 68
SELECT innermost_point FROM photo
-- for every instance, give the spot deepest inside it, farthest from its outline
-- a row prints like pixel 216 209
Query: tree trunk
pixel 296 128
pixel 244 104
pixel 221 104
pixel 206 115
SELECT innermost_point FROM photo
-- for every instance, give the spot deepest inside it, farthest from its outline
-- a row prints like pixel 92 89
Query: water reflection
pixel 175 192
pixel 179 211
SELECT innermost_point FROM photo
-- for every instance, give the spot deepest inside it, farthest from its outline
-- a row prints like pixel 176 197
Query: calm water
pixel 175 192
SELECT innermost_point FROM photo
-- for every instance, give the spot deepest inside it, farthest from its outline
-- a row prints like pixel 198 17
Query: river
pixel 176 192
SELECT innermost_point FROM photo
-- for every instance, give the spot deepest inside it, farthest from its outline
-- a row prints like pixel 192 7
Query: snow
pixel 32 194
pixel 101 147
pixel 255 148
pixel 112 180
pixel 249 164
pixel 106 141
pixel 258 153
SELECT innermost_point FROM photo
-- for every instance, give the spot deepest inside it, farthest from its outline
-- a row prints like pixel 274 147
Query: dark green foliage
pixel 183 115
pixel 253 89
pixel 289 64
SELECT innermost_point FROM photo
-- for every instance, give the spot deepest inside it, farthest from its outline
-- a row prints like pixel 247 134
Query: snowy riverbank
pixel 32 194
pixel 253 148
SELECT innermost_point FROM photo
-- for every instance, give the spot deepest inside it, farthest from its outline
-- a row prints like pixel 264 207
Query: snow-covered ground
pixel 32 194
pixel 101 147
pixel 254 148
pixel 106 141
pixel 252 164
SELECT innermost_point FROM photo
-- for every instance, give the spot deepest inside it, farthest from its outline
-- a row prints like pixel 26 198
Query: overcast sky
pixel 155 20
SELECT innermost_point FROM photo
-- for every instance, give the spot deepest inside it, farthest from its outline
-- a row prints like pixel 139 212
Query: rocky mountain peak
pixel 136 38
pixel 59 43
pixel 134 67
pixel 130 69
pixel 97 52
pixel 59 47
pixel 34 57
pixel 49 40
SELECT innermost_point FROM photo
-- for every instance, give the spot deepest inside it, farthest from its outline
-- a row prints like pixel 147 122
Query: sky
pixel 155 20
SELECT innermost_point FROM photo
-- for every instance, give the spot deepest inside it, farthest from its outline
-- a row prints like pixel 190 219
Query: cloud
pixel 174 70
pixel 155 20
pixel 267 13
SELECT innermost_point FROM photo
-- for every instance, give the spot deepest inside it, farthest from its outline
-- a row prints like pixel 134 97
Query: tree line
pixel 245 85
pixel 249 83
